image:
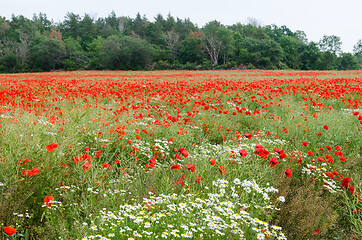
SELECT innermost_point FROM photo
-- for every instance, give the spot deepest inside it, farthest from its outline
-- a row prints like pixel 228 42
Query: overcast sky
pixel 314 17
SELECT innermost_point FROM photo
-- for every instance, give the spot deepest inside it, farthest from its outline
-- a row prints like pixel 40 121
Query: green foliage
pixel 264 53
pixel 46 54
pixel 126 53
pixel 180 40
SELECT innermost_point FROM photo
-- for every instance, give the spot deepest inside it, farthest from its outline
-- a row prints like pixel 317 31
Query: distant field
pixel 181 154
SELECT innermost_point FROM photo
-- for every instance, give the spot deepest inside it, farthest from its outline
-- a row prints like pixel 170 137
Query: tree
pixel 217 39
pixel 311 58
pixel 126 53
pixel 261 53
pixel 76 57
pixel 46 54
pixel 191 49
pixel 330 44
pixel 357 52
pixel 172 40
pixel 293 48
pixel 347 62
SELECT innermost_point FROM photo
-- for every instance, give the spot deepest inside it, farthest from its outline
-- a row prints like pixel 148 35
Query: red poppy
pixel 86 149
pixel 106 165
pixel 49 200
pixel 183 152
pixel 288 172
pixel 198 179
pixel 321 159
pixel 317 232
pixel 243 152
pixel 191 167
pixel 310 153
pixel 212 161
pixel 76 159
pixel 338 148
pixel 152 163
pixel 282 154
pixel 222 170
pixel 329 148
pixel 86 157
pixel 9 230
pixel 23 161
pixel 247 135
pixel 305 144
pixel 273 162
pixel 86 166
pixel 31 172
pixel 51 147
pixel 175 166
pixel 345 182
pixel 97 153
pixel 325 127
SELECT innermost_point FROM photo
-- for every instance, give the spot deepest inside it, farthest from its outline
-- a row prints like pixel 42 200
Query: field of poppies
pixel 181 154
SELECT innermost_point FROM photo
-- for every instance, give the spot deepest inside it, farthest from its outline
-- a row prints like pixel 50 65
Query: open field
pixel 181 154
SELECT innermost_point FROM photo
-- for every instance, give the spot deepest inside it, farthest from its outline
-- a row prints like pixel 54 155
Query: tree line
pixel 124 43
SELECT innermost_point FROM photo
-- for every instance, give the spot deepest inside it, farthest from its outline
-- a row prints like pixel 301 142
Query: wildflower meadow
pixel 181 154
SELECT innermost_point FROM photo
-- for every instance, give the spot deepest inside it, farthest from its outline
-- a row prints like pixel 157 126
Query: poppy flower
pixel 317 232
pixel 175 166
pixel 31 172
pixel 305 144
pixel 86 166
pixel 273 162
pixel 152 161
pixel 325 127
pixel 183 152
pixel 106 165
pixel 351 189
pixel 48 200
pixel 212 161
pixel 23 161
pixel 51 147
pixel 198 179
pixel 86 149
pixel 191 167
pixel 345 182
pixel 222 170
pixel 329 148
pixel 86 157
pixel 76 159
pixel 282 154
pixel 9 230
pixel 97 153
pixel 243 153
pixel 288 172
pixel 338 148
pixel 247 135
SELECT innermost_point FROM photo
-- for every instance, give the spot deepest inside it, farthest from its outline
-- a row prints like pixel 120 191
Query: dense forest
pixel 124 43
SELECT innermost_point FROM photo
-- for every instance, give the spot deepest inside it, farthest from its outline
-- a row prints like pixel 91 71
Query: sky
pixel 315 17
